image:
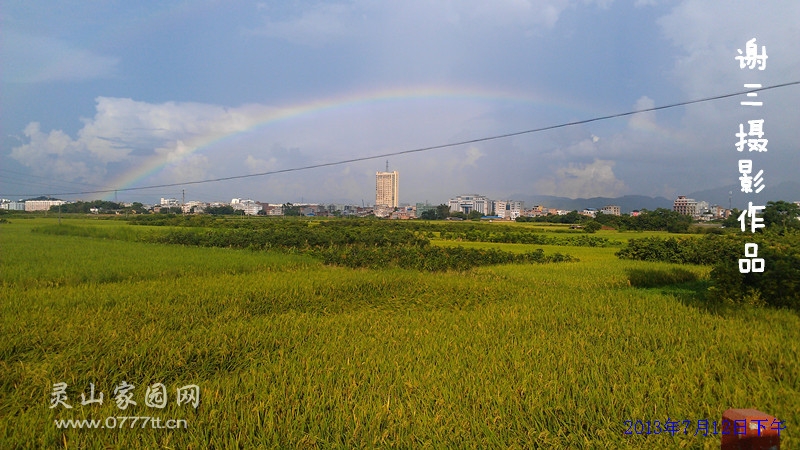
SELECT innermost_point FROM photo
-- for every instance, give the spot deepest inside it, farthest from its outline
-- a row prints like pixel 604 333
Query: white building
pixel 41 205
pixel 387 189
pixel 274 209
pixel 612 210
pixel 508 209
pixel 199 207
pixel 468 203
pixel 250 207
pixel 12 206
pixel 170 203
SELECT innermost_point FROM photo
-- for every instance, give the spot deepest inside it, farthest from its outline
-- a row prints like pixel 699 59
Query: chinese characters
pixel 755 142
pixel 155 397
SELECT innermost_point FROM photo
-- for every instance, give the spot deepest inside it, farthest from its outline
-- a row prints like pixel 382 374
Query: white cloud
pixel 53 154
pixel 407 21
pixel 315 26
pixel 583 180
pixel 183 165
pixel 257 165
pixel 709 36
pixel 643 119
pixel 124 131
pixel 526 13
pixel 473 155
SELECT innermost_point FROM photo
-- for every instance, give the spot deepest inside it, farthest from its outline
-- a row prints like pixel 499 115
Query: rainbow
pixel 204 142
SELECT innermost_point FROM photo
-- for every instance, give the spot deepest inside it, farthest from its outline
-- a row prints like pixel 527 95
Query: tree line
pixel 778 244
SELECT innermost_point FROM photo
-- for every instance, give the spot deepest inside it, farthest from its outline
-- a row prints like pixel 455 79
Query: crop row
pixel 457 231
pixel 526 237
pixel 431 258
pixel 287 237
pixel 351 246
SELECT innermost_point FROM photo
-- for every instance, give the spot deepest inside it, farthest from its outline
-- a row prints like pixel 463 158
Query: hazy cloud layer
pixel 40 59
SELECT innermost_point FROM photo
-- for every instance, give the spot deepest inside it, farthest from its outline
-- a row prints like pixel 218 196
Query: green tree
pixel 138 208
pixel 219 210
pixel 781 216
pixel 661 219
pixel 571 217
pixel 291 210
pixel 779 283
pixel 442 211
pixel 593 226
pixel 428 215
pixel 733 220
pixel 609 220
pixel 86 207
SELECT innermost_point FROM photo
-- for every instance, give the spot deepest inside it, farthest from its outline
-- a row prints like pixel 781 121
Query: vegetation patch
pixel 647 278
pixel 368 244
pixel 431 258
pixel 516 236
pixel 778 285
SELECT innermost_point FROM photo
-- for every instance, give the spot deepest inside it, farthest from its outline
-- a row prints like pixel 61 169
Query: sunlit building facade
pixel 386 189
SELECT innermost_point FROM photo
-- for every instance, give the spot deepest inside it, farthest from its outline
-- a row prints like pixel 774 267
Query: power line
pixel 437 147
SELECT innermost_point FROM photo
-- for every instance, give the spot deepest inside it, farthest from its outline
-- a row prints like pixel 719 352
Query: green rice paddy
pixel 291 353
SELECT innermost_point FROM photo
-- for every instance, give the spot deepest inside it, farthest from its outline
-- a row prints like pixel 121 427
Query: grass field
pixel 291 353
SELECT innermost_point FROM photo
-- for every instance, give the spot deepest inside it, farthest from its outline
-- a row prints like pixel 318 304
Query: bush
pixel 778 285
pixel 708 250
pixel 429 258
pixel 592 227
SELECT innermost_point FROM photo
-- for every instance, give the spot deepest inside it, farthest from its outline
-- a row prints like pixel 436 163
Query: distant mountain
pixel 788 191
pixel 626 203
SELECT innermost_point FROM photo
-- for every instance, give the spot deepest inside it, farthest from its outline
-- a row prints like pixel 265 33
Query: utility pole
pixel 183 199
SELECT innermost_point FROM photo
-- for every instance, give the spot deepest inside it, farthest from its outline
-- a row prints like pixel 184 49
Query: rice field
pixel 290 353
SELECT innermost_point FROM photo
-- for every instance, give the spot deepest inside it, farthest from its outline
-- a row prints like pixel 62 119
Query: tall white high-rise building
pixel 386 188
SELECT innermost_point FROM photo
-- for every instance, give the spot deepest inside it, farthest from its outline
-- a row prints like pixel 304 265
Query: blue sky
pixel 113 95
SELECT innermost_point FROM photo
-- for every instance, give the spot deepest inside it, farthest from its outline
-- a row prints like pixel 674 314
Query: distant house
pixel 250 207
pixel 612 210
pixel 687 206
pixel 508 209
